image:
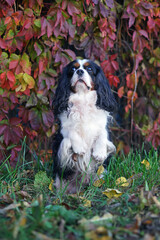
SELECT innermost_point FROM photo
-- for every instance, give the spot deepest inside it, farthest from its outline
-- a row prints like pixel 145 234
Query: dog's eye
pixel 73 69
pixel 89 69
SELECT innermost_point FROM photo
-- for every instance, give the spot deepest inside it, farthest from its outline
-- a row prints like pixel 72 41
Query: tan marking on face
pixel 76 65
pixel 86 64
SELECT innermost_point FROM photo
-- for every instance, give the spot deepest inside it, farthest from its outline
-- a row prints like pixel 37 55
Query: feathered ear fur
pixel 105 96
pixel 60 102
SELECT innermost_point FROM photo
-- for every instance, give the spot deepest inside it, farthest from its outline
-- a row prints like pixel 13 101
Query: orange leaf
pixel 121 92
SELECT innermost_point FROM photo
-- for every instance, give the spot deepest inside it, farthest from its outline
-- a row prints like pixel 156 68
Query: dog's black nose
pixel 80 72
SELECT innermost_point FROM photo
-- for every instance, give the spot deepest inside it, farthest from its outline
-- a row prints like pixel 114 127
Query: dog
pixel 83 105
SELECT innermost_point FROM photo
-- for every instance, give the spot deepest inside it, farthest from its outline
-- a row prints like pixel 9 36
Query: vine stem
pixel 132 105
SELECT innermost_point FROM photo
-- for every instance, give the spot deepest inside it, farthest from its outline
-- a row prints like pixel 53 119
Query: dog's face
pixel 82 74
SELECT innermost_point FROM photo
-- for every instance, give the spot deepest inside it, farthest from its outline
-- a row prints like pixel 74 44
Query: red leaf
pixel 2 43
pixel 27 24
pixel 139 58
pixel 34 120
pixel 2 128
pixel 131 20
pixel 13 98
pixel 49 29
pixel 29 34
pixel 115 65
pixel 43 26
pixel 72 9
pixel 11 77
pixel 7 136
pixel 18 132
pixel 70 53
pixel 10 2
pixel 23 113
pixel 113 80
pixel 151 23
pixel 48 118
pixel 7 20
pixel 130 80
pixel 14 121
pixel 13 64
pixel 121 92
pixel 143 33
pixel 41 66
pixel 37 48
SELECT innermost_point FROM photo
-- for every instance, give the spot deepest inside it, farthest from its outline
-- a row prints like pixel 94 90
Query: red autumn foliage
pixel 39 37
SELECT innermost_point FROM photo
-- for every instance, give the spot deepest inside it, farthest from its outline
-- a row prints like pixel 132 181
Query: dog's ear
pixel 105 98
pixel 60 101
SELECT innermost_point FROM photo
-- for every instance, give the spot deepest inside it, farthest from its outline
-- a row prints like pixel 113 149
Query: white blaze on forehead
pixel 82 62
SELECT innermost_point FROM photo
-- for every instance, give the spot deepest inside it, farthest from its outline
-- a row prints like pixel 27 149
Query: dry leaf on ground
pixel 112 193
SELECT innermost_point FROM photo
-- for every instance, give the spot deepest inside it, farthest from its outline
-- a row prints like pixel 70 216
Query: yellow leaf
pixel 86 202
pixel 23 221
pixel 122 181
pixel 146 164
pixel 112 193
pixel 51 185
pixel 56 202
pixel 99 182
pixel 100 233
pixel 22 87
pixel 29 80
pixel 49 133
pixel 120 147
pixel 100 170
pixel 106 216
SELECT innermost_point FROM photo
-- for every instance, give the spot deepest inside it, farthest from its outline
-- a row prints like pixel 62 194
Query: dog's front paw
pixel 100 156
pixel 79 149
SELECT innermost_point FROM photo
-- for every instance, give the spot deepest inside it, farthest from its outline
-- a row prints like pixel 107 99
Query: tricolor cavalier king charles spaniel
pixel 83 103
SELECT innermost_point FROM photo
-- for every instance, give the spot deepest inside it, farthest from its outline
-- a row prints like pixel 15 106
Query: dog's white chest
pixel 84 117
pixel 82 106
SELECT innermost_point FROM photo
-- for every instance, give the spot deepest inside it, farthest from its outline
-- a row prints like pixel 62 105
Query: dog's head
pixel 82 76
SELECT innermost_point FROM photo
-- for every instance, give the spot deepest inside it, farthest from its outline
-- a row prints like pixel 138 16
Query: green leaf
pixel 37 23
pixel 14 57
pixel 29 80
pixel 2 27
pixel 10 34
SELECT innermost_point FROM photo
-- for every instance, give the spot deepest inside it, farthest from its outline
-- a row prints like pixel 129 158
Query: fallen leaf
pixel 156 201
pixel 6 198
pixel 96 219
pixel 99 182
pixel 100 170
pixel 122 181
pixel 51 185
pixel 9 207
pixel 112 193
pixel 41 236
pixel 100 233
pixel 24 194
pixel 146 164
pixel 106 216
pixel 86 202
pixel 23 220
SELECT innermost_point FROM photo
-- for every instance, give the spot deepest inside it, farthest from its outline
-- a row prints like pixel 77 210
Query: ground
pixel 125 204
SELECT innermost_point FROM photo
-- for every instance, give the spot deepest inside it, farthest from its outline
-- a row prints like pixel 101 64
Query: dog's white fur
pixel 83 127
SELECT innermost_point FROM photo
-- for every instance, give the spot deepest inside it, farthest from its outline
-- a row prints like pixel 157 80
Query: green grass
pixel 38 213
